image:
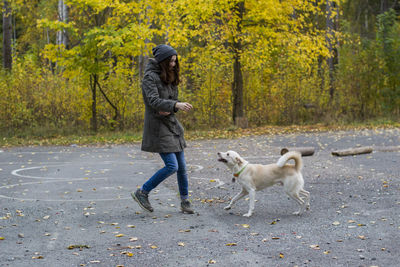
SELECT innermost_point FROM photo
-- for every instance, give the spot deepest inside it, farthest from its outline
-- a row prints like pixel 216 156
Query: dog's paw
pixel 227 208
pixel 247 214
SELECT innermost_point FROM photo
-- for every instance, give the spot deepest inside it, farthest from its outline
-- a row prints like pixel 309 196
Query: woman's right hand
pixel 183 106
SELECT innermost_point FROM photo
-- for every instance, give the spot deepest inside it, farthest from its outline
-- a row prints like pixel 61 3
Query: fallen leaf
pixel 231 244
pixel 77 246
pixel 281 255
pixel 212 262
pixel 130 226
pixel 316 247
pixel 181 244
pixel 246 226
pixel 119 235
pixel 336 223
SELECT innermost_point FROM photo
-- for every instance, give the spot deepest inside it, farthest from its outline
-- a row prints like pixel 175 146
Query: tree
pixel 105 37
pixel 330 42
pixel 7 36
pixel 62 37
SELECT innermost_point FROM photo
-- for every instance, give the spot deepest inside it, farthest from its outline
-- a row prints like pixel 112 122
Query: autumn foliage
pixel 280 47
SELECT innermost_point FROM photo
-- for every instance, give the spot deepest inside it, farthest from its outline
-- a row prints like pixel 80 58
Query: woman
pixel 162 131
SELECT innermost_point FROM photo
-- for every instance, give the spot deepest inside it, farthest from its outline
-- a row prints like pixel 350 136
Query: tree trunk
pixel 304 151
pixel 62 37
pixel 329 41
pixel 352 151
pixel 7 36
pixel 93 84
pixel 237 86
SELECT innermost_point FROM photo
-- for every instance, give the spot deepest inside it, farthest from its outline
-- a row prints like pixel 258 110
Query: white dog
pixel 255 177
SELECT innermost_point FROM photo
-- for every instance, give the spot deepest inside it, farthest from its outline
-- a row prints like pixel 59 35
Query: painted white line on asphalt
pixel 52 242
pixel 218 181
pixel 56 200
pixel 198 167
pixel 15 173
pixel 61 179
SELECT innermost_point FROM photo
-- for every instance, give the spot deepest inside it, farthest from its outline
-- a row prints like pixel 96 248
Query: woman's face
pixel 172 62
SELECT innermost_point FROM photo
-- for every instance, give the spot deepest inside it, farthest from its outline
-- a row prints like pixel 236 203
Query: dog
pixel 255 177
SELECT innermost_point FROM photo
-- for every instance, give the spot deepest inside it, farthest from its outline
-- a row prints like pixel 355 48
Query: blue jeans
pixel 174 163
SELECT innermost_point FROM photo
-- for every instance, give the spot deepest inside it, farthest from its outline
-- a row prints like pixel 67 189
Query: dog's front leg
pixel 252 194
pixel 236 198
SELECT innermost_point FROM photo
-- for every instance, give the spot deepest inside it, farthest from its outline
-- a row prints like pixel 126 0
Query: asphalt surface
pixel 71 206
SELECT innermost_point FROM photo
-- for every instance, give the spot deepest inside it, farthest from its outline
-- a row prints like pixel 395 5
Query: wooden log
pixel 352 151
pixel 304 151
pixel 386 148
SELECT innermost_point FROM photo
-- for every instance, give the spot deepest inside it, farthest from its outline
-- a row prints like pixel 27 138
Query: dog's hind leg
pixel 236 198
pixel 295 197
pixel 306 194
pixel 252 194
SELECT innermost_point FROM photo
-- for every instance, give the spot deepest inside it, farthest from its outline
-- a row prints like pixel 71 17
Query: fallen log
pixel 386 148
pixel 304 151
pixel 352 151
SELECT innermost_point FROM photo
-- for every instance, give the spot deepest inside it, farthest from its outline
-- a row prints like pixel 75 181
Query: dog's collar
pixel 238 173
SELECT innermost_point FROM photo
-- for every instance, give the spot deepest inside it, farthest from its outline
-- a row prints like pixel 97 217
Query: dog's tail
pixel 296 156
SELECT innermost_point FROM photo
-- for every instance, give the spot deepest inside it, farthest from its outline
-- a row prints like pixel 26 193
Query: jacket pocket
pixel 170 126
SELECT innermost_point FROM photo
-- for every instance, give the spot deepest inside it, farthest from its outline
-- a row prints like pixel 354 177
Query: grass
pixel 51 138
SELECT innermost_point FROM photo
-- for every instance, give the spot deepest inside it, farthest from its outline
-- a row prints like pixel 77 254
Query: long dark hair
pixel 169 76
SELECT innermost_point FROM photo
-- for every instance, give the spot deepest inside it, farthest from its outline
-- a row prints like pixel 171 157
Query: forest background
pixel 75 66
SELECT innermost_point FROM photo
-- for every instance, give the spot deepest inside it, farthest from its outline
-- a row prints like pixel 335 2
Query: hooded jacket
pixel 161 134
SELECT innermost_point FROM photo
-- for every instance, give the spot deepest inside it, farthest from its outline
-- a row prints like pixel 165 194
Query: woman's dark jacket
pixel 161 134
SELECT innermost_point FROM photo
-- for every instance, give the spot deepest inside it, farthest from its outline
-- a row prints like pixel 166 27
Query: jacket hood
pixel 152 66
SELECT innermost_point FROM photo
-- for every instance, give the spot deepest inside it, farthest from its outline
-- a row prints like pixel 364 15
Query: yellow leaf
pixel 2 238
pixel 119 235
pixel 281 255
pixel 246 226
pixel 153 246
pixel 231 244
pixel 130 226
pixel 212 262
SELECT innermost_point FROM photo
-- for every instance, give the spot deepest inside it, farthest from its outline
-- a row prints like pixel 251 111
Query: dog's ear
pixel 238 160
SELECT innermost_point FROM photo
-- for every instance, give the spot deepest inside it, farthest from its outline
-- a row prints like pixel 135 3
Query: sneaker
pixel 186 207
pixel 142 199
